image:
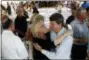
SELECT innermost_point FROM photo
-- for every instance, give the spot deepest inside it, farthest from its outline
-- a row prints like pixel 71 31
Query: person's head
pixel 56 22
pixel 20 11
pixel 74 7
pixel 81 14
pixel 8 24
pixel 37 27
pixel 73 12
pixel 85 1
pixel 3 12
pixel 3 9
pixel 25 6
pixel 32 4
pixel 35 10
pixel 4 18
pixel 8 4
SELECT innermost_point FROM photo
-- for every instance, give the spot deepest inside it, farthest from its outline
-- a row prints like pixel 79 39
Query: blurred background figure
pixel 88 27
pixel 87 16
pixel 73 11
pixel 85 4
pixel 12 46
pixel 35 9
pixel 3 16
pixel 8 9
pixel 21 22
pixel 80 35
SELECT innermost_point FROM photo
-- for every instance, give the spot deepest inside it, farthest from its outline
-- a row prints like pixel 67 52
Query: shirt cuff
pixel 43 51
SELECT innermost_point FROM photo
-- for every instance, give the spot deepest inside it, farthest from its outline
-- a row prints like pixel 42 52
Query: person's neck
pixel 10 29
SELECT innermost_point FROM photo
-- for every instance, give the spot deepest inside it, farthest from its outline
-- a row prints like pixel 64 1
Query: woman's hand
pixel 59 39
pixel 67 33
pixel 37 47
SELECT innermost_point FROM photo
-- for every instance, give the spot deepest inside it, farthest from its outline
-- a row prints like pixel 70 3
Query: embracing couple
pixel 53 43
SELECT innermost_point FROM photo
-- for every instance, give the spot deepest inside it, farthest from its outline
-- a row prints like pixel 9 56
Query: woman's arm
pixel 60 38
pixel 65 47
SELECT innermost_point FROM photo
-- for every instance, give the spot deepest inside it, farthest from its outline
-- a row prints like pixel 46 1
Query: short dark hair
pixel 7 23
pixel 57 17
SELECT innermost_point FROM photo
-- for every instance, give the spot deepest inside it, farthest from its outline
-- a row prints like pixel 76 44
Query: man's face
pixel 83 16
pixel 54 26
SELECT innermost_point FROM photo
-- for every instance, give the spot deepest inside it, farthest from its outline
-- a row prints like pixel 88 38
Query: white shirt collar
pixel 61 32
pixel 8 32
pixel 54 35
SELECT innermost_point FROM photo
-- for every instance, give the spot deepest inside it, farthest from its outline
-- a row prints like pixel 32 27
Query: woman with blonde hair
pixel 38 33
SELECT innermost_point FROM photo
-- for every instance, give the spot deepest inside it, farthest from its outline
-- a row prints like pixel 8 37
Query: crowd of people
pixel 27 37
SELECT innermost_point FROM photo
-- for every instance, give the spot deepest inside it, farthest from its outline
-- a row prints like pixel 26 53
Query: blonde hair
pixel 35 24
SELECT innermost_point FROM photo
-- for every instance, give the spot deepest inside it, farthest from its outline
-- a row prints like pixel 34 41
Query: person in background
pixel 3 17
pixel 87 16
pixel 35 10
pixel 85 4
pixel 73 10
pixel 2 7
pixel 12 46
pixel 63 49
pixel 25 6
pixel 88 28
pixel 8 9
pixel 80 35
pixel 21 22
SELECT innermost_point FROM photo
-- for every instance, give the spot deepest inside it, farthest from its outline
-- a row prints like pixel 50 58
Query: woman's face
pixel 42 28
pixel 20 11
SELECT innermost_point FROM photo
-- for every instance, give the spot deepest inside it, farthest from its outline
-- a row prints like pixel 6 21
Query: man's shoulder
pixel 16 37
pixel 74 23
pixel 69 37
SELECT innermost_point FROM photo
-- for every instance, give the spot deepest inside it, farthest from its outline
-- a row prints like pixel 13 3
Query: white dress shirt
pixel 63 51
pixel 12 46
pixel 53 35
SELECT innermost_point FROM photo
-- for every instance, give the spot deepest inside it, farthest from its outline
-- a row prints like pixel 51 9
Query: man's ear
pixel 11 26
